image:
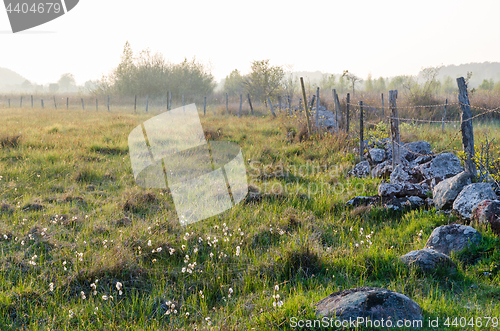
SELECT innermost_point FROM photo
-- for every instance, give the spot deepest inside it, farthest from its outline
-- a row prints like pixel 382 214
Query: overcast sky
pixel 384 37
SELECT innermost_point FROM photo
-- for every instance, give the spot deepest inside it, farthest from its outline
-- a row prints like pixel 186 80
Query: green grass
pixel 69 198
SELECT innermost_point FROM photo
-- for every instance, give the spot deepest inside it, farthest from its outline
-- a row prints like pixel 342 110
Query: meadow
pixel 82 247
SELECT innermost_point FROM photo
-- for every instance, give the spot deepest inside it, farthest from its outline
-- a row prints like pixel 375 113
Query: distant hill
pixel 480 71
pixel 9 77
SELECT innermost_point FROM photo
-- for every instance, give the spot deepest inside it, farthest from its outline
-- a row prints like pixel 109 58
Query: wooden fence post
pixel 170 100
pixel 227 104
pixel 305 105
pixel 241 104
pixel 396 152
pixel 466 125
pixel 40 100
pixel 204 106
pixel 383 111
pixel 250 103
pixel 317 107
pixel 135 103
pixel 270 104
pixel 361 142
pixel 338 110
pixel 147 103
pixel 183 102
pixel 83 107
pixel 55 103
pixel 348 100
pixel 67 103
pixel 444 115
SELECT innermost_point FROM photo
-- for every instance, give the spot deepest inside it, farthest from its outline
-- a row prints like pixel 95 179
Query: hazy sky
pixel 384 37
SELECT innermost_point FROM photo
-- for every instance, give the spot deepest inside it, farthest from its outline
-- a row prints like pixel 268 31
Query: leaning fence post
pixel 444 115
pixel 272 109
pixel 361 142
pixel 466 125
pixel 241 104
pixel 305 105
pixel 250 103
pixel 338 111
pixel 396 153
pixel 204 106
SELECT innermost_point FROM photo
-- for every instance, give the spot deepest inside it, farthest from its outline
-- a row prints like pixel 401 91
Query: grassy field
pixel 83 248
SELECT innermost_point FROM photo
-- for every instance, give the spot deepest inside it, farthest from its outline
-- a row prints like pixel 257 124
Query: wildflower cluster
pixel 276 297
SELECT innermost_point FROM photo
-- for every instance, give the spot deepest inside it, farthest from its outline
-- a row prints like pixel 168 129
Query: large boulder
pixel 402 190
pixel 443 166
pixel 362 169
pixel 374 303
pixel 452 238
pixel 470 196
pixel 488 211
pixel 445 192
pixel 429 261
pixel 377 155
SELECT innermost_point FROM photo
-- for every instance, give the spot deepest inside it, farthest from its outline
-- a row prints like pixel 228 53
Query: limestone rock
pixel 470 196
pixel 445 192
pixel 369 302
pixel 377 155
pixel 452 238
pixel 429 260
pixel 444 165
pixel 488 211
pixel 402 190
pixel 360 170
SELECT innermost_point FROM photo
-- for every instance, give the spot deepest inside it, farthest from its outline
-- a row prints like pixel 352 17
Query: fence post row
pixel 466 125
pixel 361 141
pixel 305 105
pixel 396 153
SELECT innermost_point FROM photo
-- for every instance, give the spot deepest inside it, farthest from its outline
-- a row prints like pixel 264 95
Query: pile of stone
pixel 421 175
